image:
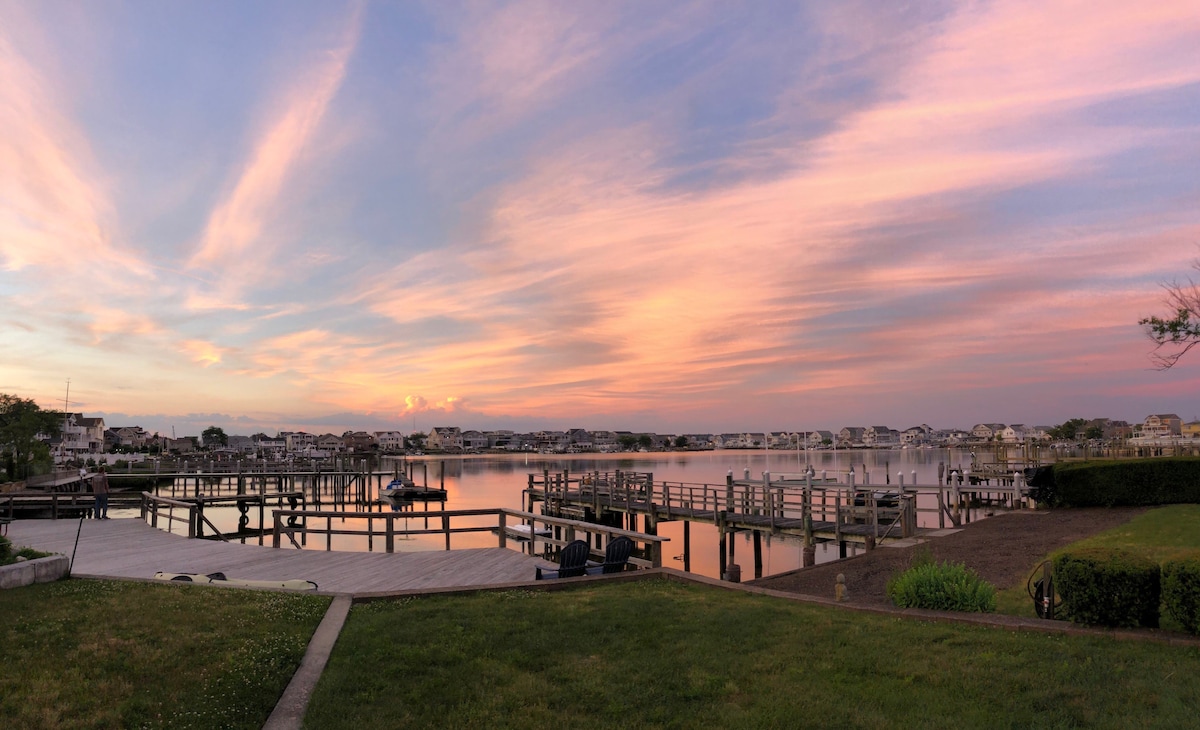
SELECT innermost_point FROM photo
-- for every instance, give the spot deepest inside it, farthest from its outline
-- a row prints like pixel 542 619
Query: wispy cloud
pixel 726 289
pixel 512 210
pixel 247 230
pixel 56 211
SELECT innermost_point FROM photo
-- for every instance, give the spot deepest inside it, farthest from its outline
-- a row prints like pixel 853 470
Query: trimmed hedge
pixel 1181 592
pixel 942 587
pixel 1133 483
pixel 1102 587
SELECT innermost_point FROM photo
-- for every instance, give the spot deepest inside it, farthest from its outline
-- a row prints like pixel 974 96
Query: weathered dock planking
pixel 129 548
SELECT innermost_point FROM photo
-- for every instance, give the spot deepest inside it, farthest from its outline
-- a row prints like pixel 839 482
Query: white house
pixel 1162 425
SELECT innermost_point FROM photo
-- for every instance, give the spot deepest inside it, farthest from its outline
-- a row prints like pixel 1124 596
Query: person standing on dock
pixel 100 489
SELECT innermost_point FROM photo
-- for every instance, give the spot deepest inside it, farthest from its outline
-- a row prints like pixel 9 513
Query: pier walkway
pixel 129 548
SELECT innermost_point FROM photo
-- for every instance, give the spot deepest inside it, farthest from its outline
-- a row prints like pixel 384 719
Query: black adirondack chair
pixel 616 557
pixel 572 562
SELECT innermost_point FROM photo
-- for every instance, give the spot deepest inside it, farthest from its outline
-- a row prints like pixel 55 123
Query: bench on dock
pixel 4 525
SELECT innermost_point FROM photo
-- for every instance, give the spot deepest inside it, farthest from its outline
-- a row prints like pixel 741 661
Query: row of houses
pixel 82 435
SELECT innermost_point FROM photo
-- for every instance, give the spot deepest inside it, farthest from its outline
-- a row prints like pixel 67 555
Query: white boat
pixel 399 487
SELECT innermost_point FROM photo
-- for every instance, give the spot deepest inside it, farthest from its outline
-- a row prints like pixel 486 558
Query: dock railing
pixel 155 508
pixel 550 533
pixel 894 508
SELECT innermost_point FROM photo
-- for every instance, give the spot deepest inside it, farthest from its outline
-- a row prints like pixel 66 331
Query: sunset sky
pixel 612 215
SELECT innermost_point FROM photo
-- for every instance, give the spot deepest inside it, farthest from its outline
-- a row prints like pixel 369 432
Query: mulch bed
pixel 1002 549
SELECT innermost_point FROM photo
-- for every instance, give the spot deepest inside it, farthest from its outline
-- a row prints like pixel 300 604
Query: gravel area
pixel 1003 549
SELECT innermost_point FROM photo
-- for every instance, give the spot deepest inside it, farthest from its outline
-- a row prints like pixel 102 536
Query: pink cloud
pixel 238 245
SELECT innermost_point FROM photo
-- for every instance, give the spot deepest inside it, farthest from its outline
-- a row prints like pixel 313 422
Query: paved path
pixel 129 548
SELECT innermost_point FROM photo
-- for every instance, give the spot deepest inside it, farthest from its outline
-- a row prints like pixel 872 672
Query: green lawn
pixel 664 654
pixel 101 654
pixel 1160 534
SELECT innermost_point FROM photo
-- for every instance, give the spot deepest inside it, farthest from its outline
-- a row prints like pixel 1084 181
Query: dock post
pixel 503 528
pixel 687 546
pixel 757 554
pixel 722 547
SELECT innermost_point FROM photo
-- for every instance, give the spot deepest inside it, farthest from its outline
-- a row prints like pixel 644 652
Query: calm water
pixel 497 481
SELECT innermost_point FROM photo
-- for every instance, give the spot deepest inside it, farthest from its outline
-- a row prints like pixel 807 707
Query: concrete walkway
pixel 289 711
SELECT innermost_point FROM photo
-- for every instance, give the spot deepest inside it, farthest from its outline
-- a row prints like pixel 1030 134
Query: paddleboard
pixel 220 580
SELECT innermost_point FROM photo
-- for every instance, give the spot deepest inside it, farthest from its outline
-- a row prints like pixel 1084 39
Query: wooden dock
pixel 129 548
pixel 813 510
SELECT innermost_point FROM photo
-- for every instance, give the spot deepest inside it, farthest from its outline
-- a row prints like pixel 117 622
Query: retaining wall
pixel 41 570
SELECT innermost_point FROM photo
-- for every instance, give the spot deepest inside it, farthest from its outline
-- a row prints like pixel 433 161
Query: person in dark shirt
pixel 100 489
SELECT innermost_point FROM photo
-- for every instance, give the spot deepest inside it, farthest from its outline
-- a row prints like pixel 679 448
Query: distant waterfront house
pixel 179 446
pixel 331 444
pixel 360 442
pixel 390 442
pixel 1162 425
pixel 445 438
pixel 1013 434
pixel 986 431
pixel 271 448
pixel 880 437
pixel 1190 430
pixel 851 436
pixel 240 444
pixel 580 439
pixel 131 437
pixel 916 435
pixel 699 440
pixel 299 442
pixel 604 440
pixel 474 440
pixel 503 439
pixel 819 437
pixel 950 436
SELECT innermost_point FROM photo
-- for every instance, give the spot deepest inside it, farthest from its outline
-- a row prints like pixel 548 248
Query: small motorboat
pixel 398 487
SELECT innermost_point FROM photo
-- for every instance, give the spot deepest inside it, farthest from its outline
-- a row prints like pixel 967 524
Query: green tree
pixel 214 436
pixel 1068 430
pixel 681 442
pixel 21 421
pixel 627 441
pixel 645 441
pixel 1174 336
pixel 1094 432
pixel 416 440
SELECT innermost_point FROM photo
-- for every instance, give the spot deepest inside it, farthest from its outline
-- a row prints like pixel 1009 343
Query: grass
pixel 1159 534
pixel 664 654
pixel 103 654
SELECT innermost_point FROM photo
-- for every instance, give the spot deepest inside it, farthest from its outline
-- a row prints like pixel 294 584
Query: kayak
pixel 219 579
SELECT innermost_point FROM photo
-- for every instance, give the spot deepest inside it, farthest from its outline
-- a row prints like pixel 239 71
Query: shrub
pixel 942 587
pixel 1103 587
pixel 1137 482
pixel 1181 592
